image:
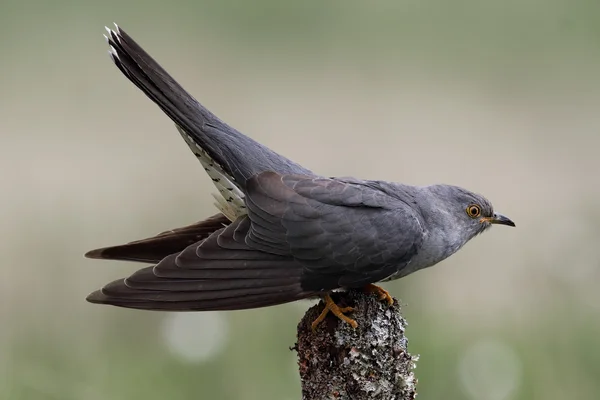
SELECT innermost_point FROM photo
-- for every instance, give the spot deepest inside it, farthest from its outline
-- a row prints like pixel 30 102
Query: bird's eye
pixel 473 211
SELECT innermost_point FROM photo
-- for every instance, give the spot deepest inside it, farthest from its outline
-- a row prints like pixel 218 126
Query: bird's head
pixel 464 212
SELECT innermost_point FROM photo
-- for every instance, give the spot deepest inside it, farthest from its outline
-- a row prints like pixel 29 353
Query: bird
pixel 282 233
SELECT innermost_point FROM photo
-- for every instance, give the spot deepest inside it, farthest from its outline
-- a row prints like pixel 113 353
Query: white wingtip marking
pixel 106 37
pixel 108 30
pixel 117 27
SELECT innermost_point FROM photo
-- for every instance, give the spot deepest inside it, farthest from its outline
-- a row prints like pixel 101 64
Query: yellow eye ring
pixel 473 211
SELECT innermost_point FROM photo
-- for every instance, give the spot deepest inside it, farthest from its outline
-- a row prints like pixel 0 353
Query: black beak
pixel 500 220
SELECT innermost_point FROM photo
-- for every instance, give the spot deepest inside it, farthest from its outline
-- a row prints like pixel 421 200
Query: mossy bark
pixel 370 362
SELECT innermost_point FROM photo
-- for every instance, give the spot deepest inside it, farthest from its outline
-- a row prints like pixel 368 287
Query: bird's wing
pixel 155 248
pixel 220 272
pixel 344 234
pixel 302 235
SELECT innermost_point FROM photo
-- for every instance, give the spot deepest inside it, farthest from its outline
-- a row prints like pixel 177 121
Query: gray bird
pixel 283 233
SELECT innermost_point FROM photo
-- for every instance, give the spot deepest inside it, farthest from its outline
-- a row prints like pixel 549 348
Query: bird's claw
pixel 381 293
pixel 335 310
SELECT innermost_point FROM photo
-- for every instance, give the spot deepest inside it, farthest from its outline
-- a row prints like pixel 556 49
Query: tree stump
pixel 370 362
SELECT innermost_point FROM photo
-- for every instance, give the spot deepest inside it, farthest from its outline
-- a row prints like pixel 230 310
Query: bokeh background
pixel 501 97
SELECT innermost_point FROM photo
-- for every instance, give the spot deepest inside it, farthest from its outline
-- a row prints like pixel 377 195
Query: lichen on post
pixel 371 362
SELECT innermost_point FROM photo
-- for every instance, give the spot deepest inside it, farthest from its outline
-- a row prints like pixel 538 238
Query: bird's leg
pixel 381 293
pixel 335 310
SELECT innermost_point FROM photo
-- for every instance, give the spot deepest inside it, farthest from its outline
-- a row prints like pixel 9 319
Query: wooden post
pixel 370 362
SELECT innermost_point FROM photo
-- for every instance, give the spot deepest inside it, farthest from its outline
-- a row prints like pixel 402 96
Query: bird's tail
pixel 238 156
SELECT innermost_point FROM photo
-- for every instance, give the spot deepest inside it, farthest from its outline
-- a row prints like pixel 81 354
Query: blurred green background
pixel 498 97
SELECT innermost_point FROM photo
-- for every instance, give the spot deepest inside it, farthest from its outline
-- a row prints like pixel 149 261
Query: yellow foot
pixel 381 293
pixel 335 310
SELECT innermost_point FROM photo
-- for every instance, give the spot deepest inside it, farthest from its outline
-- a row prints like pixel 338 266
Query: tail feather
pixel 239 156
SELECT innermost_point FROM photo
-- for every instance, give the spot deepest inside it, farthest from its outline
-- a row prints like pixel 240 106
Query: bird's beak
pixel 498 219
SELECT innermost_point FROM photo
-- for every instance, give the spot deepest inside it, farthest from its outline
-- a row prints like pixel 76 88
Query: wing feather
pixel 343 233
pixel 209 276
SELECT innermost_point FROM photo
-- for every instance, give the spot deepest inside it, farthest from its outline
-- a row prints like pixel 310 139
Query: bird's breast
pixel 435 248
